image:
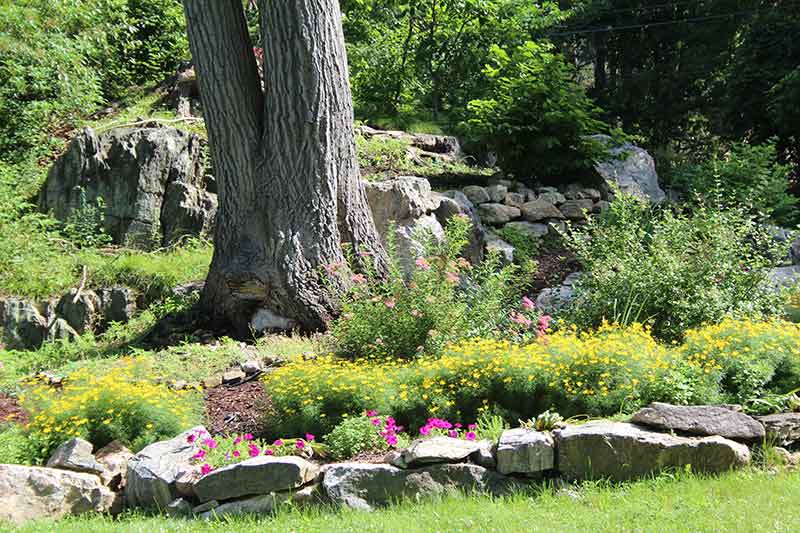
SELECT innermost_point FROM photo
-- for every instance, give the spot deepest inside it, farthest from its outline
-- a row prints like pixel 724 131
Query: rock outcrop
pixel 630 170
pixel 150 180
pixel 705 420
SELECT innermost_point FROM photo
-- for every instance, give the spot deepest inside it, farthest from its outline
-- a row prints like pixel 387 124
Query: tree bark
pixel 288 178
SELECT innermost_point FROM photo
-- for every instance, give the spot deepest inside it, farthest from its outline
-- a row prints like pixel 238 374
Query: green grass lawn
pixel 744 501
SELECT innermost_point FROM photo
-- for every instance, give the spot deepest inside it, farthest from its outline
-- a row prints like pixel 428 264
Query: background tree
pixel 289 186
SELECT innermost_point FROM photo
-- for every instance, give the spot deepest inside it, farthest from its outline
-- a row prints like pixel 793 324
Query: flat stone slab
pixel 621 451
pixel 700 420
pixel 34 493
pixel 438 450
pixel 76 454
pixel 366 486
pixel 257 476
pixel 783 429
pixel 523 451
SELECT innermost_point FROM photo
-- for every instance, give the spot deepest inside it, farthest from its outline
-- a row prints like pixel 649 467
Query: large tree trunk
pixel 289 186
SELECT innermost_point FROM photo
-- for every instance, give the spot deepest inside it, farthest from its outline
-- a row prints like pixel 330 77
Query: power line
pixel 691 20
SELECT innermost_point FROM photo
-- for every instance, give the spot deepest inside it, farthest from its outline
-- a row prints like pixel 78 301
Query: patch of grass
pixel 742 501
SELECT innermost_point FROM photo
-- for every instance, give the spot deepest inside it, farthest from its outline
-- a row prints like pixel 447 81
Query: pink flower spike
pixel 470 435
pixel 372 413
pixel 310 437
pixel 278 443
pixel 206 469
pixel 300 444
pixel 527 303
pixel 358 278
pixel 422 263
pixel 521 319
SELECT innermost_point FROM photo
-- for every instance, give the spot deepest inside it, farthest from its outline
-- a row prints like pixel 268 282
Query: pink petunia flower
pixel 211 443
pixel 544 322
pixel 237 453
pixel 422 263
pixel 254 451
pixel 372 413
pixel 300 444
pixel 376 421
pixel 470 435
pixel 199 455
pixel 310 437
pixel 237 440
pixel 391 440
pixel 206 469
pixel 269 451
pixel 278 443
pixel 453 433
pixel 425 430
pixel 248 436
pixel 191 438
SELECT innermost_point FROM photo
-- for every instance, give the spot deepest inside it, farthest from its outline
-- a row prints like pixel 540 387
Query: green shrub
pixel 353 436
pixel 120 405
pixel 744 175
pixel 674 270
pixel 535 117
pixel 14 446
pixel 526 248
pixel 445 299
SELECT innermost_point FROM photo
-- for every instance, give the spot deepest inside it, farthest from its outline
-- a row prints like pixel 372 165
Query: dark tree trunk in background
pixel 288 178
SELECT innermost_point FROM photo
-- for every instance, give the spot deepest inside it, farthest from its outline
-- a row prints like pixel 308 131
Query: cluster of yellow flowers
pixel 119 403
pixel 601 371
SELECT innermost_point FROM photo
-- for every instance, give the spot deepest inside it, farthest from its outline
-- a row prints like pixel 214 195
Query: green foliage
pixel 13 445
pixel 444 299
pixel 84 226
pixel 353 436
pixel 673 270
pixel 526 248
pixel 535 117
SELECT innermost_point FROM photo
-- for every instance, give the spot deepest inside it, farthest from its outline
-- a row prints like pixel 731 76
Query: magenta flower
pixel 254 451
pixel 191 438
pixel 453 433
pixel 199 455
pixel 310 437
pixel 470 435
pixel 211 443
pixel 423 264
pixel 425 430
pixel 300 444
pixel 206 469
pixel 472 427
pixel 527 303
pixel 248 436
pixel 372 413
pixel 237 440
pixel 358 278
pixel 278 443
pixel 376 421
pixel 391 440
pixel 237 453
pixel 457 425
pixel 269 451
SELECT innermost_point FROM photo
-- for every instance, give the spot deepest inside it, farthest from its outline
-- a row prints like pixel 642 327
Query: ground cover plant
pixel 591 373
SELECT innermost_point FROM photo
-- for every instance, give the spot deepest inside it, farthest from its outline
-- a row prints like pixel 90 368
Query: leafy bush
pixel 674 270
pixel 14 445
pixel 526 248
pixel 359 434
pixel 535 117
pixel 747 360
pixel 744 175
pixel 84 226
pixel 445 299
pixel 121 404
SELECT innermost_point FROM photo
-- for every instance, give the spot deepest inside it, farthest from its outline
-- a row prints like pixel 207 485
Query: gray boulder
pixel 533 230
pixel 700 420
pixel 553 299
pixel 497 214
pixel 495 244
pixel 630 169
pixel 455 203
pixel 486 455
pixel 256 505
pixel 153 472
pixel 576 209
pixel 783 277
pixel 80 310
pixel 539 209
pixel 515 199
pixel 366 486
pixel 523 451
pixel 783 428
pixel 260 475
pixel 33 493
pixel 76 455
pixel 114 457
pixel 497 192
pixel 621 451
pixel 187 210
pixel 117 304
pixel 24 325
pixel 437 450
pixel 553 197
pixel 131 169
pixel 477 194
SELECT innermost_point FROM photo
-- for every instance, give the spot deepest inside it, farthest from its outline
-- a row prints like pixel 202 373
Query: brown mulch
pixel 10 411
pixel 555 264
pixel 236 409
